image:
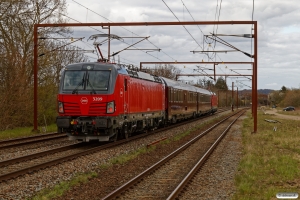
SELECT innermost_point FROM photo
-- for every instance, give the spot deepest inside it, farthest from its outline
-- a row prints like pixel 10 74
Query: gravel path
pixel 281 116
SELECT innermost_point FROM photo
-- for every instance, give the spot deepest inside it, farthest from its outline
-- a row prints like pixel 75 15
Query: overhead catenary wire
pixel 91 46
pixel 100 32
pixel 202 47
pixel 193 19
pixel 128 31
pixel 207 54
pixel 229 45
pixel 182 25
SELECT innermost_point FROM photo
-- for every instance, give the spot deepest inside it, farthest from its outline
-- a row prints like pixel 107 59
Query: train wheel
pixel 125 131
pixel 174 120
pixel 126 134
pixel 115 137
pixel 194 115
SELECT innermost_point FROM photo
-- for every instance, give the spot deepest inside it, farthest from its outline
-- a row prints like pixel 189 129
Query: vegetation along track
pixel 167 178
pixel 15 167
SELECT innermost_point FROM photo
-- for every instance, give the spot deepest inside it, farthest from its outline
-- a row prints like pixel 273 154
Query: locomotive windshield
pixel 86 80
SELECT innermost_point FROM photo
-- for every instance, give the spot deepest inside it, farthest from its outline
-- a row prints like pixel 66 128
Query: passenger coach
pixel 185 101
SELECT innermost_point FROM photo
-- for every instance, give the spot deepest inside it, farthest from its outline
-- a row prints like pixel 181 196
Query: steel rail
pixel 136 179
pixel 33 141
pixel 26 138
pixel 39 154
pixel 200 163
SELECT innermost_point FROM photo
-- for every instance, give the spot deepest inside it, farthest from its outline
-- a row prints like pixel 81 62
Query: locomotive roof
pixel 98 65
pixel 182 86
pixel 120 68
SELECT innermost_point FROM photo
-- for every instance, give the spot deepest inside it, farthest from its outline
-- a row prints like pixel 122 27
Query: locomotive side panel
pixel 145 96
pixel 214 102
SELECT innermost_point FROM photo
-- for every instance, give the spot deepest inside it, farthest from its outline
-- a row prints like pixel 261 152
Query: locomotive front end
pixel 86 101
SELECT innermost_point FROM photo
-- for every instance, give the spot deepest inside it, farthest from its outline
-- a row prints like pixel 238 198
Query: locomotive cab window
pixel 98 80
pixel 86 80
pixel 125 84
pixel 73 80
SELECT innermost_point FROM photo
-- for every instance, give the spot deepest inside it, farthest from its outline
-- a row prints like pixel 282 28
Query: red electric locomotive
pixel 104 101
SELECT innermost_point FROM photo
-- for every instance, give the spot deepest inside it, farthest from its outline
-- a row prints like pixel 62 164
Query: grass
pixel 25 131
pixel 59 189
pixel 271 159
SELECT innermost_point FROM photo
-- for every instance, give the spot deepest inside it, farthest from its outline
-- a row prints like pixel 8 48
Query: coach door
pixel 126 96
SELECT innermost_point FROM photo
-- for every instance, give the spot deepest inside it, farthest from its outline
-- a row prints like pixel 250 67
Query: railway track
pixel 5 144
pixel 11 143
pixel 16 167
pixel 167 178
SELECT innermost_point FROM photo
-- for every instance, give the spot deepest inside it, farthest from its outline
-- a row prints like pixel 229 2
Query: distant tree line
pixel 285 97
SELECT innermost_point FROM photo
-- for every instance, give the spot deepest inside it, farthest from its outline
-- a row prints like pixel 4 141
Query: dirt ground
pixel 281 116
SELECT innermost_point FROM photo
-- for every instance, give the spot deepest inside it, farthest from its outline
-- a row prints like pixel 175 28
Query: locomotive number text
pixel 97 99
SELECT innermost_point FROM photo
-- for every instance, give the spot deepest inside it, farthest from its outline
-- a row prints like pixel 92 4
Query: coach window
pixel 193 97
pixel 174 95
pixel 207 98
pixel 180 96
pixel 125 84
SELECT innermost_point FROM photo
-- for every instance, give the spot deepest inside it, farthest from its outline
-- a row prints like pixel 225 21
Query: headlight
pixel 60 107
pixel 110 108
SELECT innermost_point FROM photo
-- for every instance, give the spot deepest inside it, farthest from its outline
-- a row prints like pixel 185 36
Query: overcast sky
pixel 278 35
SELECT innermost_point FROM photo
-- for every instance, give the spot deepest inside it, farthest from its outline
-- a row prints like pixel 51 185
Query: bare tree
pixel 167 71
pixel 17 18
